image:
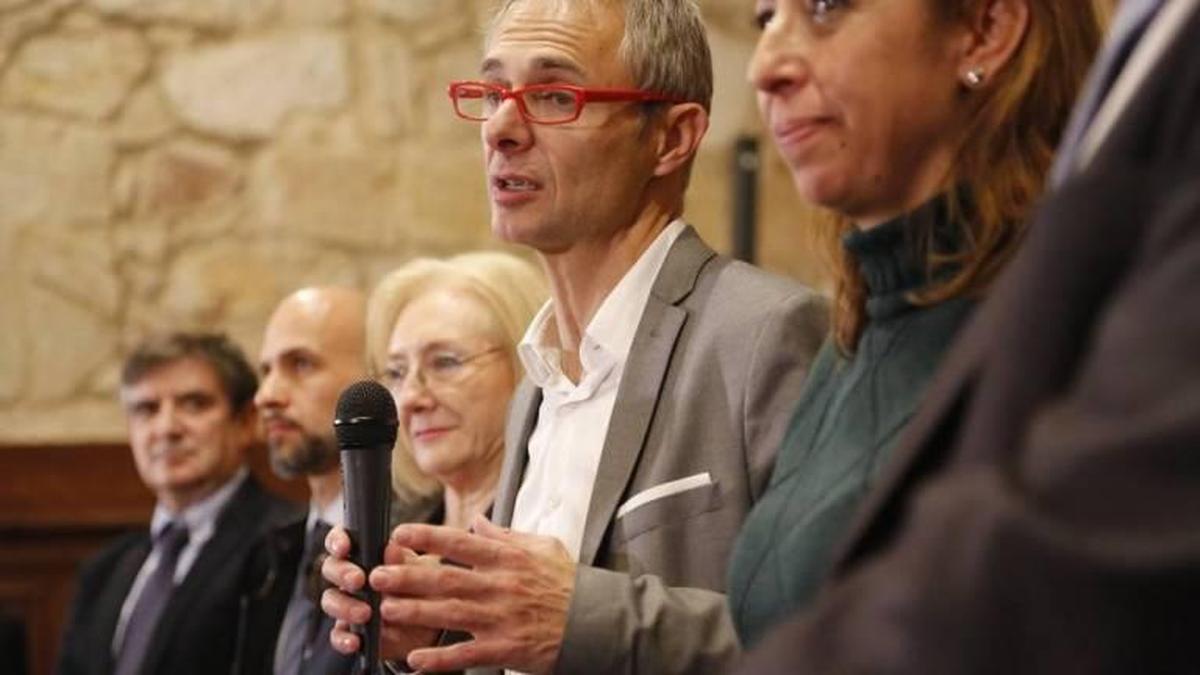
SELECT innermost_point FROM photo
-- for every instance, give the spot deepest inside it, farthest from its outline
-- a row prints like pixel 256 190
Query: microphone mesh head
pixel 366 417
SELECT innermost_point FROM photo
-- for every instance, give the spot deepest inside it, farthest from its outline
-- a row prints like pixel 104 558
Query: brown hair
pixel 1014 125
pixel 215 349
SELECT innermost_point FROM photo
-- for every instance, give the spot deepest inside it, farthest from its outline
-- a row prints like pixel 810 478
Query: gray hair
pixel 665 46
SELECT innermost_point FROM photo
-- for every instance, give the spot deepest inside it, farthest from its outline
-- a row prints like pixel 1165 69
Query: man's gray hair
pixel 665 46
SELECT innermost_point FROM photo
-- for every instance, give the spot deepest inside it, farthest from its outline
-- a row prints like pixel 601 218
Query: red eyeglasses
pixel 540 103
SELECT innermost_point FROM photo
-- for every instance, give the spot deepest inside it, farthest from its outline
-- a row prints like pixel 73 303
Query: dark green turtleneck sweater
pixel 848 419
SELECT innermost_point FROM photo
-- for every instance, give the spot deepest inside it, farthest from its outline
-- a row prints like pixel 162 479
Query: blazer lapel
pixel 113 597
pixel 523 412
pixel 641 384
pixel 234 526
pixel 1155 66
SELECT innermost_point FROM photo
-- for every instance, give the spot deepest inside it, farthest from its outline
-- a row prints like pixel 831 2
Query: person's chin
pixel 822 188
pixel 513 228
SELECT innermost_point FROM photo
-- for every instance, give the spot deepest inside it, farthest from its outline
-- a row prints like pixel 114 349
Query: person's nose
pixel 271 394
pixel 413 395
pixel 778 65
pixel 167 421
pixel 507 131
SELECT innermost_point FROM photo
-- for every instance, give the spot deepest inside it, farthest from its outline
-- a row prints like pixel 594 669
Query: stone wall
pixel 186 163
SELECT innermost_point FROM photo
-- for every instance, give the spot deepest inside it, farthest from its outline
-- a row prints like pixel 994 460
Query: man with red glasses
pixel 660 375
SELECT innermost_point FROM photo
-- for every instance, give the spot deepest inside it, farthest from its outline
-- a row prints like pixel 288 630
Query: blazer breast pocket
pixel 670 502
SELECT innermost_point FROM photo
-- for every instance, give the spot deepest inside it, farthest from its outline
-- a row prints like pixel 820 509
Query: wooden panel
pixel 58 506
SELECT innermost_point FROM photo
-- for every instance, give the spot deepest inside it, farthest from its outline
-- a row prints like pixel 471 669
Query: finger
pixel 426 580
pixel 458 656
pixel 447 614
pixel 489 530
pixel 524 540
pixel 344 608
pixel 337 543
pixel 395 554
pixel 343 573
pixel 453 544
pixel 344 640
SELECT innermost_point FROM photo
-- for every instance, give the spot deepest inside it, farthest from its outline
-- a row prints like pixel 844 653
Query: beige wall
pixel 186 163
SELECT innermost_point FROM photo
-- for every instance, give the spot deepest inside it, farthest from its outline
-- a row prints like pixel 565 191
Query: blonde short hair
pixel 511 289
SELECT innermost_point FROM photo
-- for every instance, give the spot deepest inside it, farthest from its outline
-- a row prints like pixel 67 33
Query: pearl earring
pixel 974 77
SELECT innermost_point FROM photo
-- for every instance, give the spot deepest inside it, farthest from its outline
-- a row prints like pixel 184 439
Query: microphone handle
pixel 367 483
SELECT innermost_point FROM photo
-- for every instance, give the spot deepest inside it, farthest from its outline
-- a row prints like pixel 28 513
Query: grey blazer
pixel 717 364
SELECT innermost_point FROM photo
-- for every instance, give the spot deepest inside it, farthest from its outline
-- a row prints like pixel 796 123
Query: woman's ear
pixel 684 126
pixel 995 28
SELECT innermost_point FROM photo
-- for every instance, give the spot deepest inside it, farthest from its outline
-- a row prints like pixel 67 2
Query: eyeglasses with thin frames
pixel 540 103
pixel 437 367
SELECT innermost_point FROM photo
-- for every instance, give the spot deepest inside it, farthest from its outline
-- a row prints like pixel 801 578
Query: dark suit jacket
pixel 270 578
pixel 1043 512
pixel 196 632
pixel 717 362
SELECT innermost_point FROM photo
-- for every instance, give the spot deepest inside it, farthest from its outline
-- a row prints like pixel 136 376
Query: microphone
pixel 365 427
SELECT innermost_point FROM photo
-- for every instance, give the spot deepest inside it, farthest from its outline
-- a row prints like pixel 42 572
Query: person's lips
pixel 511 189
pixel 279 425
pixel 429 433
pixel 171 453
pixel 795 132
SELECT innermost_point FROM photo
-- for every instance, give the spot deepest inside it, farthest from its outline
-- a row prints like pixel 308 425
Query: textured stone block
pixel 145 117
pixel 202 13
pixel 245 89
pixel 314 12
pixel 324 182
pixel 389 97
pixel 83 73
pixel 183 177
pixel 233 285
pixel 24 18
pixel 69 343
pixel 52 173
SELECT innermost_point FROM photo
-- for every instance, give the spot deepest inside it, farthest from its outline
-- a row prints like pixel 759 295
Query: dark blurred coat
pixel 196 633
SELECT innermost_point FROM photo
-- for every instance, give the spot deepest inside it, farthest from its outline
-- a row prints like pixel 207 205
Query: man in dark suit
pixel 165 600
pixel 660 376
pixel 312 349
pixel 1043 513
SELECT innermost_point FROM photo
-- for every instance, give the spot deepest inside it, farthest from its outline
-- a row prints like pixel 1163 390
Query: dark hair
pixel 221 354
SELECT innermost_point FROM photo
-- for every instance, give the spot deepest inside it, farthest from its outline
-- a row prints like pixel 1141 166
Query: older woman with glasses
pixel 442 336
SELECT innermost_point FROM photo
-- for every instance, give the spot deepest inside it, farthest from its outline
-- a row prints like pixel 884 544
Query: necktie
pixel 1132 19
pixel 298 634
pixel 153 599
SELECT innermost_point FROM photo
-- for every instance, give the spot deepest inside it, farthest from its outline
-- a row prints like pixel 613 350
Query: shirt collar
pixel 539 351
pixel 201 517
pixel 609 335
pixel 333 514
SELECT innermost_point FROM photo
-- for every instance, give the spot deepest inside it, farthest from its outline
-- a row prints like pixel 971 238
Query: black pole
pixel 745 197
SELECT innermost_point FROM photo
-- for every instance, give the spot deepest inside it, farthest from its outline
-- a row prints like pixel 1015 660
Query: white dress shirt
pixel 566 443
pixel 201 520
pixel 333 514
